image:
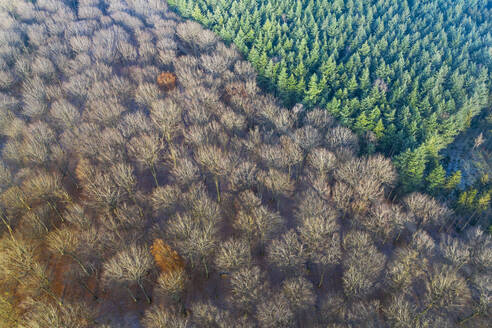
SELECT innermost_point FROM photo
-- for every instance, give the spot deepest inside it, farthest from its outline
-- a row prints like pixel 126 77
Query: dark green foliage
pixel 436 179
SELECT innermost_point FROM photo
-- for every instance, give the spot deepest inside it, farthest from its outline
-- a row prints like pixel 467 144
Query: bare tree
pixel 247 287
pixel 35 146
pixel 275 312
pixel 69 315
pixel 99 187
pixel 34 97
pixel 480 245
pixel 340 137
pixel 243 176
pixel 64 114
pixel 319 119
pixel 7 79
pixel 386 221
pixel 147 149
pixel 292 153
pixel 208 315
pixel 165 199
pixel 80 43
pixel 322 161
pixel 20 266
pixel 330 307
pixel 166 115
pixel 445 293
pixel 427 211
pixel 123 176
pixel 287 253
pixel 5 176
pixel 215 63
pixel 66 242
pixel 130 266
pixel 258 224
pixel 342 196
pixel 216 161
pixel 159 317
pixel 455 251
pixel 44 67
pixel 405 268
pixel 171 285
pixel 200 205
pixel 105 112
pixel 366 176
pixel 235 123
pixel 401 313
pixel 307 137
pixel 39 220
pixel 300 294
pixel 134 124
pixel 272 156
pixel 15 201
pixel 185 172
pixel 76 215
pixel 363 264
pixel 105 43
pixel 194 39
pixel 233 254
pixel 363 314
pixel 69 246
pixel 128 20
pixel 278 183
pixel 320 236
pixel 125 224
pixel 194 237
pixel 43 186
pixel 146 94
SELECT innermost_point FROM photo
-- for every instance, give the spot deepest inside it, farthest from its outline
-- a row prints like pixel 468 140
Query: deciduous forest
pixel 147 178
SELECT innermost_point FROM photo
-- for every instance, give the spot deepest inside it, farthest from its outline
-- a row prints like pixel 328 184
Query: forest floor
pixel 462 154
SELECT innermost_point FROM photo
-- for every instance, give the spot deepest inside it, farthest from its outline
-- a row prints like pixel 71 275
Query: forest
pixel 148 181
pixel 406 76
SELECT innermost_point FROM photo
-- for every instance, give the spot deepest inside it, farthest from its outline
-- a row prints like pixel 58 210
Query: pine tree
pixel 436 179
pixel 352 84
pixel 314 90
pixel 282 84
pixel 301 87
pixel 362 123
pixel 270 74
pixel 198 16
pixel 364 80
pixel 239 41
pixel 379 129
pixel 411 165
pixel 453 181
pixel 328 69
pixel 262 62
pixel 254 56
pixel 483 201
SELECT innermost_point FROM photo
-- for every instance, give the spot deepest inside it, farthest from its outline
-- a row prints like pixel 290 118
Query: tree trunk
pixel 143 290
pixel 216 179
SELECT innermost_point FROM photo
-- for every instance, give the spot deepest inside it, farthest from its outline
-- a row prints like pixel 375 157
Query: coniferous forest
pixel 152 177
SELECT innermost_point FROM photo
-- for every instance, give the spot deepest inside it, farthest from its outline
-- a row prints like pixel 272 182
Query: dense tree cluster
pixel 130 201
pixel 407 76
